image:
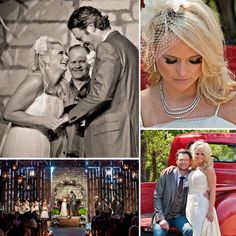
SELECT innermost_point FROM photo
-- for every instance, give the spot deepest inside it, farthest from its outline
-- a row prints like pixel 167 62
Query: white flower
pixel 91 57
pixel 40 45
pixel 154 6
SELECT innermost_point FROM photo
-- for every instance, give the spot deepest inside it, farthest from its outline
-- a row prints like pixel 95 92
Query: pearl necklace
pixel 177 113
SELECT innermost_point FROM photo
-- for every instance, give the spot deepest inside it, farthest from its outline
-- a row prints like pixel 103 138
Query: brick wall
pixel 34 18
pixel 67 174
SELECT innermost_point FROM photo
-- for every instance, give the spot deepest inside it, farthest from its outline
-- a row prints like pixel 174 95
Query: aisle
pixel 68 231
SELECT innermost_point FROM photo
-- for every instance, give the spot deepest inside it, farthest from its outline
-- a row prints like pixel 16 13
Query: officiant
pixel 70 142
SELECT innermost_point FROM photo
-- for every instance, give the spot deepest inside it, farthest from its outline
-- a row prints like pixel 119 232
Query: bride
pixel 64 207
pixel 200 211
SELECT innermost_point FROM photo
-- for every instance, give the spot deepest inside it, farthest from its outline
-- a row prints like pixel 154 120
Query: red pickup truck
pixel 224 153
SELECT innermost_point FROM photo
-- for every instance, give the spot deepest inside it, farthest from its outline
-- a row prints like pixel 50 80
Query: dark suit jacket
pixel 114 133
pixel 164 195
pixel 73 199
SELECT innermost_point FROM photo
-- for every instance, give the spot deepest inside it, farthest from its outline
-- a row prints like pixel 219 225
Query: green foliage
pixel 82 211
pixel 211 4
pixel 224 152
pixel 55 211
pixel 155 147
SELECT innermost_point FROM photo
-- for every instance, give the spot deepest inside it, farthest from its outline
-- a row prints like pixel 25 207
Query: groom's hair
pixel 84 16
pixel 183 151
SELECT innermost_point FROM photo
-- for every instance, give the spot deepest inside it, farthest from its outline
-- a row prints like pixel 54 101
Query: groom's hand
pixel 164 224
pixel 207 195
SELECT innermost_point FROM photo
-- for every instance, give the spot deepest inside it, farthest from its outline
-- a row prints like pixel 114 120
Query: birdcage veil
pixel 161 26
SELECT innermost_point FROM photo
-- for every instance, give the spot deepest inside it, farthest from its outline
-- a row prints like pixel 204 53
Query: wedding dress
pixel 64 208
pixel 44 213
pixel 197 206
pixel 33 142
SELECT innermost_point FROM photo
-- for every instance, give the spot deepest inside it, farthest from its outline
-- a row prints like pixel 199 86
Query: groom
pixel 73 202
pixel 170 198
pixel 114 133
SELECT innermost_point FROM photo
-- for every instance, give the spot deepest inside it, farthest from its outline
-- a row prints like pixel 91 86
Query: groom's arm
pixel 107 69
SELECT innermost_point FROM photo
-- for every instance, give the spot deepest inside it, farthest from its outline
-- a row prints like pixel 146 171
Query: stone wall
pixel 28 20
pixel 61 179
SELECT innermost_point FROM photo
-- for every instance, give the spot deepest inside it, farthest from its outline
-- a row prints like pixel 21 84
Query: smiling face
pixel 78 66
pixel 58 58
pixel 183 161
pixel 180 67
pixel 89 35
pixel 199 156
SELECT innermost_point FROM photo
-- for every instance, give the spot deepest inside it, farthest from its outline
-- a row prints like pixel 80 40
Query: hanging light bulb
pixel 28 187
pixel 20 180
pixel 5 175
pixel 32 173
pixel 14 167
pixel 125 166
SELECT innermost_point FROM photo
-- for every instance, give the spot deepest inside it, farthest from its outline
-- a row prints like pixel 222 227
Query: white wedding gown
pixel 197 206
pixel 64 208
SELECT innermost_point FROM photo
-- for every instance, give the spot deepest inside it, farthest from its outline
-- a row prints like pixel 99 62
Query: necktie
pixel 181 183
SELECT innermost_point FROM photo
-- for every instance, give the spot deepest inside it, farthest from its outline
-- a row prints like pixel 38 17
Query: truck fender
pixel 226 212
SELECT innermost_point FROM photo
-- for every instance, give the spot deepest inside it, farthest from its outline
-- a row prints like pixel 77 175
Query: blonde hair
pixel 40 65
pixel 201 31
pixel 206 149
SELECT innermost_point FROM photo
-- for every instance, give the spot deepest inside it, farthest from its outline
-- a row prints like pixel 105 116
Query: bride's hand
pixel 210 216
pixel 51 122
pixel 64 119
pixel 168 170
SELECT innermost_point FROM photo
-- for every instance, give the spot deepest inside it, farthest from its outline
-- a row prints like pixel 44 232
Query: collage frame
pixel 124 133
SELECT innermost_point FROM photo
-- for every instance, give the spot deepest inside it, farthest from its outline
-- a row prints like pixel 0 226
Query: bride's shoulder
pixel 228 110
pixel 209 170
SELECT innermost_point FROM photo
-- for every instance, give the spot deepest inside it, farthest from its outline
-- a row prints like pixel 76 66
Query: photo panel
pixel 211 169
pixel 70 197
pixel 41 42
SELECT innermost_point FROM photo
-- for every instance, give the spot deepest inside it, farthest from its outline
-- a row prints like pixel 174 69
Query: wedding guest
pixel 97 204
pixel 26 206
pixel 17 206
pixel 183 53
pixel 44 210
pixel 37 104
pixel 35 207
pixel 71 142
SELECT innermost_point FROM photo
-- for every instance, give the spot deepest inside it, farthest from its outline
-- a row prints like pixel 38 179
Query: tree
pixel 157 145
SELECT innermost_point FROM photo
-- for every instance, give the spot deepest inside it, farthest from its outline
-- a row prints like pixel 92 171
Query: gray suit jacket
pixel 114 133
pixel 164 195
